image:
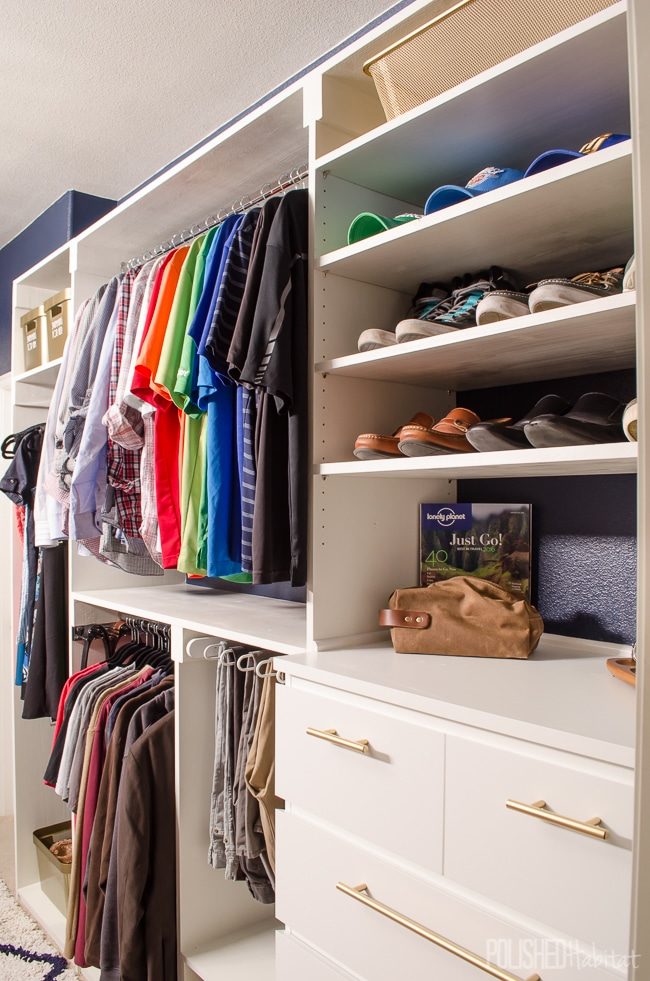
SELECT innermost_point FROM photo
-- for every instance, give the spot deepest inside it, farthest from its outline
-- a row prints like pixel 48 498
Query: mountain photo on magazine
pixel 490 541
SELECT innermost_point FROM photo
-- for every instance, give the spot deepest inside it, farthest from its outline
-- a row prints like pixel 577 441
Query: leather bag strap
pixel 413 619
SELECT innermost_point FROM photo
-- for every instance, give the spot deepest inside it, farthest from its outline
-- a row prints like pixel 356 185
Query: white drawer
pixel 297 962
pixel 391 795
pixel 573 883
pixel 312 861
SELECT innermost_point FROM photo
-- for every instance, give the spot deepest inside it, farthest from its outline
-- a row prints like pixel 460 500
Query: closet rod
pixel 283 183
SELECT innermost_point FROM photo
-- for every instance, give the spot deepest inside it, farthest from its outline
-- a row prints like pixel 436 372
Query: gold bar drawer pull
pixel 332 736
pixel 360 893
pixel 593 827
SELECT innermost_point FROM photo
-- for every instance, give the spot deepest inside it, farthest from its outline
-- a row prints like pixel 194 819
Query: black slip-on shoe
pixel 595 418
pixel 489 436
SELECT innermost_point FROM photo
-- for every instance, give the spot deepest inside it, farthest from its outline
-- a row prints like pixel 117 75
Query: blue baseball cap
pixel 553 158
pixel 487 179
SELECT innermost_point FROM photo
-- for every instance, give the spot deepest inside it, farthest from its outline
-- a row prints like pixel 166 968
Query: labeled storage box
pixel 54 874
pixel 468 38
pixel 33 327
pixel 57 312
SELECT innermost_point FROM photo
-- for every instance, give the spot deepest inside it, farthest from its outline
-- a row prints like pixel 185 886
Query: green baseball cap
pixel 367 224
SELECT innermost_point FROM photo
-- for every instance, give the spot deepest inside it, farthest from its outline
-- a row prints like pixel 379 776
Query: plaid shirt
pixel 131 434
pixel 123 464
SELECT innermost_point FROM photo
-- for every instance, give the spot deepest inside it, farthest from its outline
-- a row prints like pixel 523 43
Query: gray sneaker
pixel 552 293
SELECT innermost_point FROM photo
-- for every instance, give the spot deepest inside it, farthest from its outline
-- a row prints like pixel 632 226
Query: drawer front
pixel 297 962
pixel 391 795
pixel 374 946
pixel 576 884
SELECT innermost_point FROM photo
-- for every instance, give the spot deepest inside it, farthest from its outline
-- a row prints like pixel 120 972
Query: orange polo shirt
pixel 166 418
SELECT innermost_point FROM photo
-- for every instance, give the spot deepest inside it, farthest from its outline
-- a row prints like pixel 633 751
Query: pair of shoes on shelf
pixel 552 421
pixel 421 436
pixel 549 294
pixel 437 309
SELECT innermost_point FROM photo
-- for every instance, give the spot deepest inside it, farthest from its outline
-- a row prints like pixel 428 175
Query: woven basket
pixel 466 39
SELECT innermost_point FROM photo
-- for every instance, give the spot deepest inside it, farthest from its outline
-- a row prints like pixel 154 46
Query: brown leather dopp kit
pixel 464 616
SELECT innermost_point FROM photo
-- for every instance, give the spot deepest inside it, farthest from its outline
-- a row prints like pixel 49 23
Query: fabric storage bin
pixel 57 312
pixel 53 874
pixel 468 38
pixel 33 326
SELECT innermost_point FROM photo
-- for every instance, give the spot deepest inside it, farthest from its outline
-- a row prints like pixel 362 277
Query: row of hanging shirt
pixel 112 760
pixel 177 435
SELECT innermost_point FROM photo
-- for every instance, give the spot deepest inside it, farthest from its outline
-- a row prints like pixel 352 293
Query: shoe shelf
pixel 584 338
pixel 561 461
pixel 545 225
pixel 437 142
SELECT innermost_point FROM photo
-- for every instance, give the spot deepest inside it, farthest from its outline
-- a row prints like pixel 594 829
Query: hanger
pixel 244 661
pixel 11 443
pixel 94 631
pixel 264 669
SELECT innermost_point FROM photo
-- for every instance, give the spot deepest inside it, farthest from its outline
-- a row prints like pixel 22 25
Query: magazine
pixel 491 541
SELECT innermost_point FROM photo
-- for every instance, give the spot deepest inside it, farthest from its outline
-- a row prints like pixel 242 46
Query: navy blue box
pixel 64 219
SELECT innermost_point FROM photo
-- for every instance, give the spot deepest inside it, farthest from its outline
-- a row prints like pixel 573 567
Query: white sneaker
pixel 501 305
pixel 372 339
pixel 629 277
pixel 416 330
pixel 631 421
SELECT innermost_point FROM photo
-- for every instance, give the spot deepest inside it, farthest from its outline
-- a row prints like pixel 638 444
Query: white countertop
pixel 562 696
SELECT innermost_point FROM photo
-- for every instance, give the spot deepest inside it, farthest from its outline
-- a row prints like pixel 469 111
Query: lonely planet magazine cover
pixel 491 541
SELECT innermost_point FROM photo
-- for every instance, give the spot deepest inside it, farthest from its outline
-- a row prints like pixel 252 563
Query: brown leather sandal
pixel 373 446
pixel 446 436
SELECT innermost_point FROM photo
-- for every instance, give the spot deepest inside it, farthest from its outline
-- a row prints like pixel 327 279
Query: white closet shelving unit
pixel 364 528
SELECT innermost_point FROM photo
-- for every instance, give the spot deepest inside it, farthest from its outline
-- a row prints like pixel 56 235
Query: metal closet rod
pixel 283 183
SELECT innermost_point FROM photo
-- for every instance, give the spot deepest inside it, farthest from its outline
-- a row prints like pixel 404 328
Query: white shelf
pixel 460 132
pixel 43 376
pixel 561 461
pixel 272 624
pixel 562 696
pixel 243 956
pixel 42 909
pixel 585 338
pixel 51 273
pixel 565 220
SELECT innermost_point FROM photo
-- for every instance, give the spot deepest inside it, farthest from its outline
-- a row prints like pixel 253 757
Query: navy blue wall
pixel 64 219
pixel 584 528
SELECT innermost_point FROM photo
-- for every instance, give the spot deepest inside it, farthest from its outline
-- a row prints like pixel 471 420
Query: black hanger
pixel 11 443
pixel 91 632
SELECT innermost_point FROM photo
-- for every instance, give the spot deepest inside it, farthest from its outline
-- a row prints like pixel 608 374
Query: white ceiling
pixel 98 96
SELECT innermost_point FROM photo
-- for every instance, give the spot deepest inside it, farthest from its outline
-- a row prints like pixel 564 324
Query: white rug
pixel 25 952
